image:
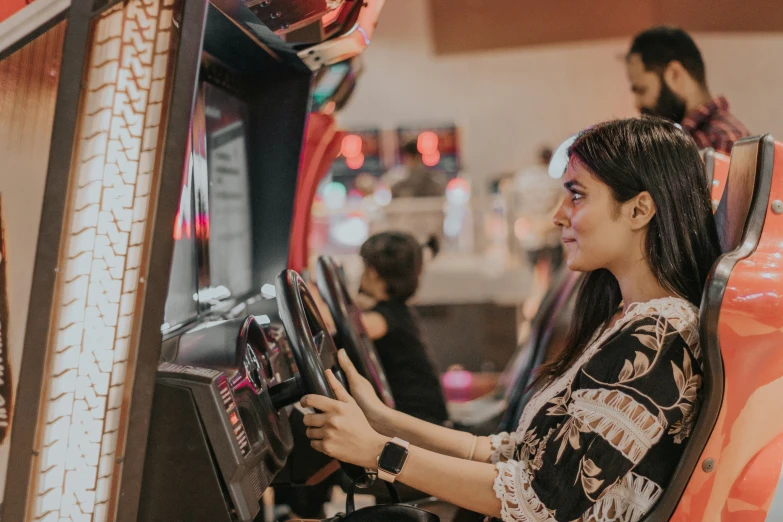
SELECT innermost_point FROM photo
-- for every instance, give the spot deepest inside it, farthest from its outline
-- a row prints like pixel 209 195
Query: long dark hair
pixel 632 156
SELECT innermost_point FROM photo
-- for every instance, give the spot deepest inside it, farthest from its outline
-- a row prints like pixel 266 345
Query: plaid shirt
pixel 712 125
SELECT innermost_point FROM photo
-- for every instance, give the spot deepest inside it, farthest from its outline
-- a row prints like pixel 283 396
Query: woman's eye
pixel 576 196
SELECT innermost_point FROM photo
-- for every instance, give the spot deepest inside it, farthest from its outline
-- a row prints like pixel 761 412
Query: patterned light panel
pixel 105 243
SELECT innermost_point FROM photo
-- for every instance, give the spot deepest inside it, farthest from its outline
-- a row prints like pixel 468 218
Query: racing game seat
pixel 725 310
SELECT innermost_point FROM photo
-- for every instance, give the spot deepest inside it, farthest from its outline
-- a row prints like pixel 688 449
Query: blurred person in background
pixel 366 184
pixel 668 79
pixel 416 191
pixel 536 198
pixel 414 179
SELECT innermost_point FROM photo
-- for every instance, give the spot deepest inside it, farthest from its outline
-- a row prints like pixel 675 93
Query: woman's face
pixel 593 226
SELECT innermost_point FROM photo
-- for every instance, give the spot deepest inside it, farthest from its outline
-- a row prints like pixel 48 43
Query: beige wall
pixel 509 102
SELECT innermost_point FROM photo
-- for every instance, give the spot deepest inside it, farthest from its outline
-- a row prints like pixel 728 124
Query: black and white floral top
pixel 600 442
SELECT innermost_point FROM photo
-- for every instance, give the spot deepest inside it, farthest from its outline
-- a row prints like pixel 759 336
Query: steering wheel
pixel 312 346
pixel 350 329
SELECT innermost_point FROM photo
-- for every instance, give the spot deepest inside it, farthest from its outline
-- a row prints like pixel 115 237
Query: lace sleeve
pixel 503 445
pixel 581 458
pixel 514 488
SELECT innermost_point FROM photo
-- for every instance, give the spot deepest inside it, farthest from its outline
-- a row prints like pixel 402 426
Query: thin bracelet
pixel 472 447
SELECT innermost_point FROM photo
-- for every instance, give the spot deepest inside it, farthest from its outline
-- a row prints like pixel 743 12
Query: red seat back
pixel 724 473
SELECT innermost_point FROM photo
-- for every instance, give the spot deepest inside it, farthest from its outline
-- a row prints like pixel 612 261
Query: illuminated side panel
pixel 106 239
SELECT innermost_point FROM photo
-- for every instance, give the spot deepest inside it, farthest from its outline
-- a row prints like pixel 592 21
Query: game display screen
pixel 438 144
pixel 230 226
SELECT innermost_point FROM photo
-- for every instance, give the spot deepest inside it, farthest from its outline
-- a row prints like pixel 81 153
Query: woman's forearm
pixel 469 485
pixel 341 430
pixel 431 436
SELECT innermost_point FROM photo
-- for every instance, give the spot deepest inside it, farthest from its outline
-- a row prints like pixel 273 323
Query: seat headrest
pixel 746 171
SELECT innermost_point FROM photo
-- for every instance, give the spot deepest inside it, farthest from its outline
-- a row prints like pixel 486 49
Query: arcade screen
pixel 360 152
pixel 439 145
pixel 230 227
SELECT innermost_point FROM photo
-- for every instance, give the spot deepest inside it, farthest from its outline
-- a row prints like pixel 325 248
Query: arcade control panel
pixel 216 438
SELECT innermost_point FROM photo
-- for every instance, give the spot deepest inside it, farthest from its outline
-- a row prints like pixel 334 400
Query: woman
pixel 392 268
pixel 602 437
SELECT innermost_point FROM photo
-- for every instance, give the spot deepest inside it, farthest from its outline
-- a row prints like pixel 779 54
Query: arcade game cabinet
pixel 163 127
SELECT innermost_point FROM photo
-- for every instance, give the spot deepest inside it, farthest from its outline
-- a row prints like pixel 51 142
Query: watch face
pixel 392 458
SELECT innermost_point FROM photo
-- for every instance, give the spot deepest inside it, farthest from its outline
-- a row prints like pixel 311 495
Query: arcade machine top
pixel 114 87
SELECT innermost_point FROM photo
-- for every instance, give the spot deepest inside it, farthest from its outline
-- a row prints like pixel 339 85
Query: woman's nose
pixel 560 219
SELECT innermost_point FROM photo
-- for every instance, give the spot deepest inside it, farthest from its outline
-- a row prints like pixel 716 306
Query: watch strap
pixel 386 476
pixel 400 442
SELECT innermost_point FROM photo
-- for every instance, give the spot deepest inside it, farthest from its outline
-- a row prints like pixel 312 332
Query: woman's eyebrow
pixel 571 185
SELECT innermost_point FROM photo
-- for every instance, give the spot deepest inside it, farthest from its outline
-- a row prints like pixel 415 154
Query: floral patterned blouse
pixel 600 442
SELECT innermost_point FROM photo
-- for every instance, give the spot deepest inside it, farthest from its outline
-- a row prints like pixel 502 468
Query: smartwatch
pixel 392 459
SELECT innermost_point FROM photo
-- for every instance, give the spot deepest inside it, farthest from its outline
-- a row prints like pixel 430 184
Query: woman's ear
pixel 640 210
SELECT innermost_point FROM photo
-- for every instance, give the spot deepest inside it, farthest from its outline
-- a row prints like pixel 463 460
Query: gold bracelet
pixel 472 447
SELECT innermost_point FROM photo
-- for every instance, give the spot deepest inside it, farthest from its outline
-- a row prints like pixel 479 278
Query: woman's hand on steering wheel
pixel 363 393
pixel 339 429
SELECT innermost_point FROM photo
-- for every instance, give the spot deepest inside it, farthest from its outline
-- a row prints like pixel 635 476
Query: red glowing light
pixel 431 159
pixel 234 418
pixel 355 162
pixel 202 226
pixel 351 146
pixel 427 143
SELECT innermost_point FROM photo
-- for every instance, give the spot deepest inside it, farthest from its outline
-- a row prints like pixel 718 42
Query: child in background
pixel 392 268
